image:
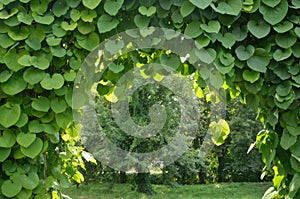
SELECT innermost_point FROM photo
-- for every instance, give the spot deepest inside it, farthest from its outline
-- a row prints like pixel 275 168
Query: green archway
pixel 255 46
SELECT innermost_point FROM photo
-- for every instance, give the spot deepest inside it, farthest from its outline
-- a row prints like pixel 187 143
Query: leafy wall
pixel 255 46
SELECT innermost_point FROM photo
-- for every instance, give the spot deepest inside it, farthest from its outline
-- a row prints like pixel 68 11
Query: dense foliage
pixel 254 43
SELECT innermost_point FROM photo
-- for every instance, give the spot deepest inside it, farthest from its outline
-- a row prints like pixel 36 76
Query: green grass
pixel 210 191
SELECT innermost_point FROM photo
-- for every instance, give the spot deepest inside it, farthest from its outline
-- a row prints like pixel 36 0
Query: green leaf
pixel 115 68
pixel 24 194
pixel 8 138
pixel 230 7
pixel 193 29
pixel 284 88
pixel 90 42
pixel 259 29
pixel 243 53
pixel 58 106
pixel 276 14
pixel 114 46
pixel 30 181
pixel 34 149
pixel 295 149
pixel 68 26
pixel 41 104
pixel 4 153
pixel 25 17
pixel 170 62
pixel 6 41
pixel 60 8
pixel 240 33
pixel 5 15
pixel 5 75
pixel 14 85
pixel 112 7
pixel 259 61
pixel 33 42
pixel 70 75
pixel 287 140
pixel 75 15
pixel 219 131
pixel 285 40
pixel 35 127
pixel 106 23
pixel 251 76
pixel 52 41
pixel 88 15
pixel 58 51
pixel 227 40
pixel 22 120
pixel 280 55
pixel 186 8
pixel 211 27
pixel 201 4
pixel 272 3
pixel 54 82
pixel 33 76
pixel 18 34
pixel 91 4
pixel 40 62
pixel 141 21
pixel 47 19
pixel 11 189
pixel 147 11
pixel 283 26
pixel 25 139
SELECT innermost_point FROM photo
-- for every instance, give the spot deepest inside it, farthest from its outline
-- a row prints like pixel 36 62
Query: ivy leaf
pixel 141 21
pixel 4 153
pixel 240 33
pixel 147 11
pixel 230 7
pixel 90 42
pixel 201 4
pixel 54 82
pixel 18 34
pixel 60 8
pixel 227 40
pixel 5 75
pixel 112 7
pixel 47 19
pixel 58 106
pixel 34 149
pixel 251 76
pixel 276 14
pixel 259 61
pixel 284 88
pixel 244 53
pixel 193 29
pixel 259 29
pixel 91 4
pixel 115 68
pixel 114 46
pixel 6 41
pixel 106 23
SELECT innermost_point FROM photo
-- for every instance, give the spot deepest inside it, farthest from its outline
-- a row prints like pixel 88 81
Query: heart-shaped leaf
pixel 259 61
pixel 11 59
pixel 10 115
pixel 18 34
pixel 276 14
pixel 35 127
pixel 47 19
pixel 211 27
pixel 25 17
pixel 69 26
pixel 33 76
pixel 251 76
pixel 22 120
pixel 41 104
pixel 227 40
pixel 90 42
pixel 24 194
pixel 25 139
pixel 186 8
pixel 75 15
pixel 115 68
pixel 34 149
pixel 91 4
pixel 259 29
pixel 201 4
pixel 285 40
pixel 112 7
pixel 219 131
pixel 271 4
pixel 114 46
pixel 11 189
pixel 287 140
pixel 244 53
pixel 283 27
pixel 284 88
pixel 193 29
pixel 230 7
pixel 5 75
pixel 4 153
pixel 54 82
pixel 106 23
pixel 240 33
pixel 88 15
pixel 30 181
pixel 147 11
pixel 280 55
pixel 58 106
pixel 6 41
pixel 60 8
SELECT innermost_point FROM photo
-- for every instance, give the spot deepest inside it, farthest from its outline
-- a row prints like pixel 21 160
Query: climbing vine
pixel 254 44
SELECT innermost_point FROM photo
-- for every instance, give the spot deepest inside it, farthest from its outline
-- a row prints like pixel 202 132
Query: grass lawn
pixel 210 191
